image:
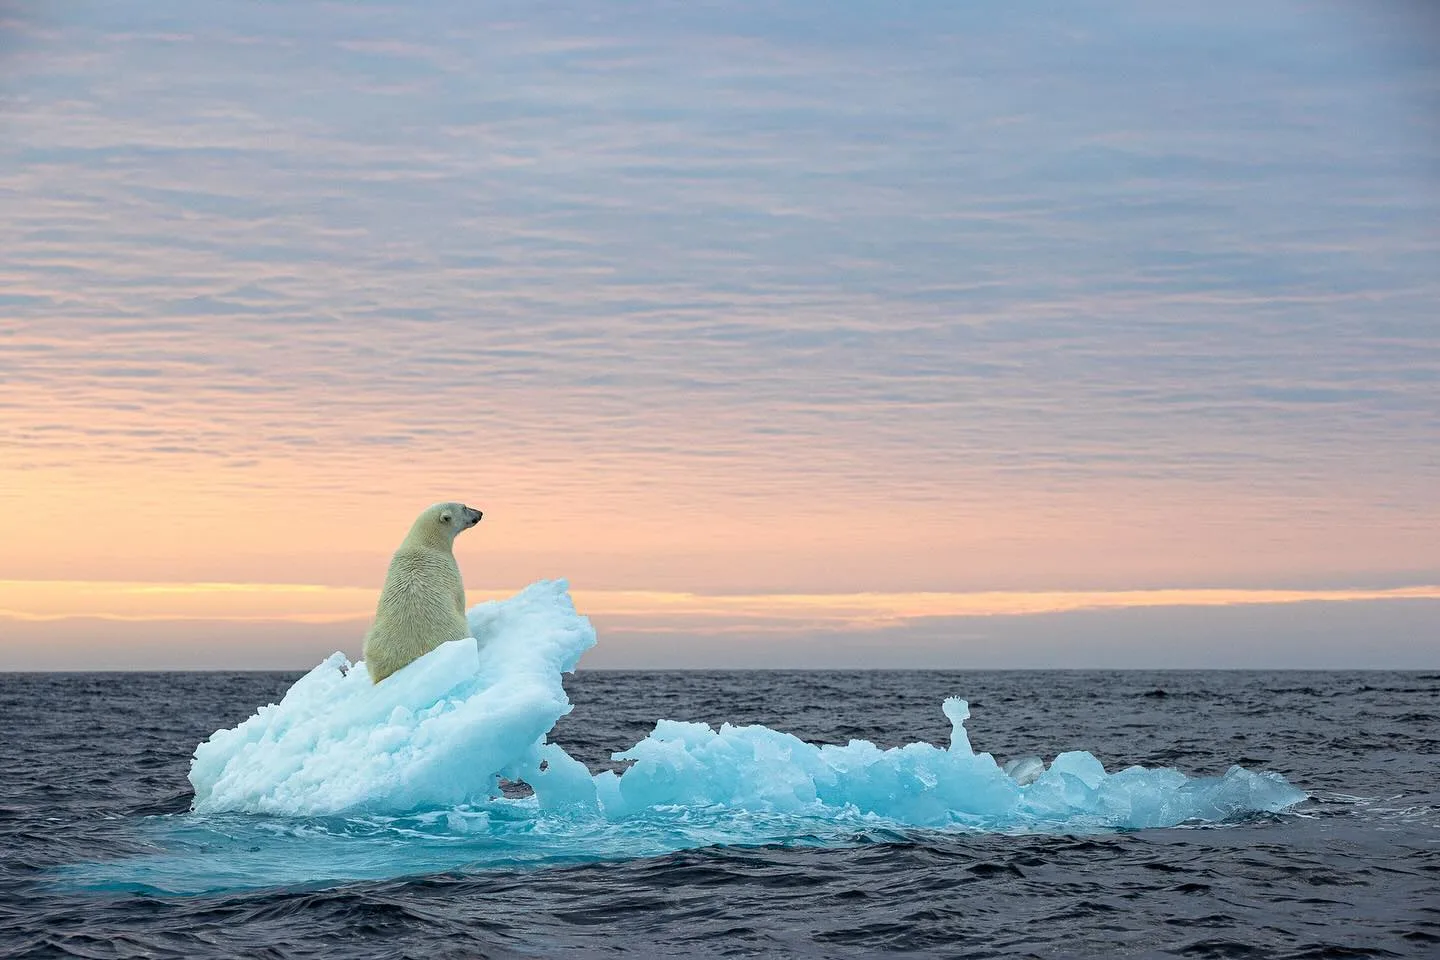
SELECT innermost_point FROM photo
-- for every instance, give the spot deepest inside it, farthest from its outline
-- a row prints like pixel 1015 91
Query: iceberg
pixel 344 779
pixel 437 733
pixel 443 731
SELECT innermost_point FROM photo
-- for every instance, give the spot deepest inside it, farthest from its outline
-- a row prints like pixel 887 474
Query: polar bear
pixel 423 603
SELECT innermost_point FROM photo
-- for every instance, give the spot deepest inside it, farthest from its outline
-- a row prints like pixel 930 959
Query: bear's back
pixel 419 609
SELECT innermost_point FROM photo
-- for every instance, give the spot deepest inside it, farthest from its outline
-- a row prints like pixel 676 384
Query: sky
pixel 809 335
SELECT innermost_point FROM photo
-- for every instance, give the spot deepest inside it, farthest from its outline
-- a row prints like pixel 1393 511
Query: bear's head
pixel 444 521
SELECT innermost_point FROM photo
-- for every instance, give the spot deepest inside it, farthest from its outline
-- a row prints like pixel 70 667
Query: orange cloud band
pixel 46 600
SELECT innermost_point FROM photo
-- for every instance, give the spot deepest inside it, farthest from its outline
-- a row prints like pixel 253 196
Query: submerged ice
pixel 439 735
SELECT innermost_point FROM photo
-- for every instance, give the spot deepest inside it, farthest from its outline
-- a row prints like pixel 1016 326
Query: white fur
pixel 423 603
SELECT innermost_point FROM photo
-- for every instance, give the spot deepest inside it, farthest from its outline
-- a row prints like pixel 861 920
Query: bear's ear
pixel 445 517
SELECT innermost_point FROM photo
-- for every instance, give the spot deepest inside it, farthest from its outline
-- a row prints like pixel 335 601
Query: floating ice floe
pixel 436 734
pixel 440 733
pixel 346 780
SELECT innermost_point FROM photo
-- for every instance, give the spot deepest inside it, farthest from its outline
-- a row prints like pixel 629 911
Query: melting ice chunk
pixel 438 734
pixel 435 734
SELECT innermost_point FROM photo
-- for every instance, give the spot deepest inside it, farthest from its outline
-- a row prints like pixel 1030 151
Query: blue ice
pixel 345 779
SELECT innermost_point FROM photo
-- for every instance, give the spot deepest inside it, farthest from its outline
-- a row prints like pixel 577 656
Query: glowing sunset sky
pixel 792 334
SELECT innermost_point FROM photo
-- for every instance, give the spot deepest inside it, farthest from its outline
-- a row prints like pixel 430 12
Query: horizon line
pixel 918 669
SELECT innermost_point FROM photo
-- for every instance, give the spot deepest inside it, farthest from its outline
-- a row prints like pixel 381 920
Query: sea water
pixel 94 793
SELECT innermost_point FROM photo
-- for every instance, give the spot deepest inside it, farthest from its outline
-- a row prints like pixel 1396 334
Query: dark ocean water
pixel 90 762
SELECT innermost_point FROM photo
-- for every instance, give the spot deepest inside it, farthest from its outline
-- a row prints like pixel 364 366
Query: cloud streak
pixel 56 600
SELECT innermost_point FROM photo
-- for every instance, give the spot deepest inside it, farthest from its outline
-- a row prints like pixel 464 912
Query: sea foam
pixel 439 734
